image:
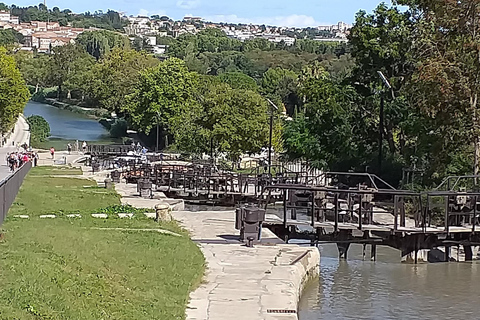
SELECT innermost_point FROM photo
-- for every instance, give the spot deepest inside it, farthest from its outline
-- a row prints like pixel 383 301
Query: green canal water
pixel 388 289
pixel 67 126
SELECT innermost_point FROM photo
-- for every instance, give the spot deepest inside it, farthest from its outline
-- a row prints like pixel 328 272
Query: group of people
pixel 17 159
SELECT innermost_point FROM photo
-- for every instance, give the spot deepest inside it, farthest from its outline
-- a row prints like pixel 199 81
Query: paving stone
pixel 22 216
pixel 100 215
pixel 76 215
pixel 48 216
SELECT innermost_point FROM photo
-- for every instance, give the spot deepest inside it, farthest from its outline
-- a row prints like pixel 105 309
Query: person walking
pixel 84 146
pixel 69 148
pixel 35 159
pixel 52 152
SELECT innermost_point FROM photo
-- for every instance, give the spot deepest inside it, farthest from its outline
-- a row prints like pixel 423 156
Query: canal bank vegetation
pixel 71 268
pixel 13 92
pixel 39 130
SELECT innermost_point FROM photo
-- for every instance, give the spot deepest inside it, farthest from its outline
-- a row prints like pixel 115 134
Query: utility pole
pixel 271 133
pixel 380 135
pixel 380 126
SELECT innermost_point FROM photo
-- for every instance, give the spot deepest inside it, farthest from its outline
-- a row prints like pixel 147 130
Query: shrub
pixel 39 129
pixel 118 128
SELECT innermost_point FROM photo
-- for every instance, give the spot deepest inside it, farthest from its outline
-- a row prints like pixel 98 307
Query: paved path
pixel 264 282
pixel 20 135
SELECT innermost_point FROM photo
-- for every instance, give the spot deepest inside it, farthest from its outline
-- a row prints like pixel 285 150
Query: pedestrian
pixel 35 159
pixel 52 152
pixel 69 148
pixel 84 146
pixel 11 162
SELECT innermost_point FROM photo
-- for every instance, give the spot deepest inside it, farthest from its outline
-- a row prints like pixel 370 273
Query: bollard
pixel 108 183
pixel 250 242
pixel 162 213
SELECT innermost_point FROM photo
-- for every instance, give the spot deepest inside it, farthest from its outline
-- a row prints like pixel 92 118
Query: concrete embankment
pixel 241 283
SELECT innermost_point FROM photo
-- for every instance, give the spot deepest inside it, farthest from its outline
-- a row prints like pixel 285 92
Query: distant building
pixel 6 17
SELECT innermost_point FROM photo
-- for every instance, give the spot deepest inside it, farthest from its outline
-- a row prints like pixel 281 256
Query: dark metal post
pixel 335 200
pixel 360 214
pixel 270 144
pixel 380 135
pixel 156 148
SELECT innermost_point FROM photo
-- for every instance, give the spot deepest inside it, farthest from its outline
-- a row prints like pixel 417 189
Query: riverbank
pixel 95 113
pixel 241 283
pixel 83 267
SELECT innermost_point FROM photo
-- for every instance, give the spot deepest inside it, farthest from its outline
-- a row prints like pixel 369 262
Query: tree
pixel 100 42
pixel 161 94
pixel 448 77
pixel 325 133
pixel 14 93
pixel 34 68
pixel 115 75
pixel 239 80
pixel 225 120
pixel 280 85
pixel 39 129
pixel 66 62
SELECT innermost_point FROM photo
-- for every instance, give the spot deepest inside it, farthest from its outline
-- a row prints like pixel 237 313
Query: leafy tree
pixel 14 93
pixel 446 84
pixel 280 85
pixel 10 36
pixel 100 42
pixel 225 120
pixel 239 80
pixel 34 68
pixel 161 94
pixel 324 134
pixel 115 75
pixel 39 129
pixel 66 63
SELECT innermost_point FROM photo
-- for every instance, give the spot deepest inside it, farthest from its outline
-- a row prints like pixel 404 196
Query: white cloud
pixel 188 4
pixel 293 20
pixel 149 13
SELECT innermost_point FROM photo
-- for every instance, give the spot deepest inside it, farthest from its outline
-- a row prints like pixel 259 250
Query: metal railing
pixel 9 188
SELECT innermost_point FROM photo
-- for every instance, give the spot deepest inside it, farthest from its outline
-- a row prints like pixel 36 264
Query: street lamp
pixel 158 120
pixel 380 129
pixel 270 139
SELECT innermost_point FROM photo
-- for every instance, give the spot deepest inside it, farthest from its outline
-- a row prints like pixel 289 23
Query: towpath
pixel 20 135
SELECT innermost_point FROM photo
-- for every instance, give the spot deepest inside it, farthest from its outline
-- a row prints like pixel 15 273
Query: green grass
pixel 63 268
pixel 55 171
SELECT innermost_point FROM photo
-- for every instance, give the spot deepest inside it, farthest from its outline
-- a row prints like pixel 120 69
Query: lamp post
pixel 380 127
pixel 270 138
pixel 158 120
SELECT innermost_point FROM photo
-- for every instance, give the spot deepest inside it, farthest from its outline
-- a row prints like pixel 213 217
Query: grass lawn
pixel 64 268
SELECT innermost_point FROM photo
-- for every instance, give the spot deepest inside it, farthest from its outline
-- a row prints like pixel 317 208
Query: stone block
pixel 47 216
pixel 100 215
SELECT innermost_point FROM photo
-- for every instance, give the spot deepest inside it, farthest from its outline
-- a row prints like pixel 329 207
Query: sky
pixel 299 13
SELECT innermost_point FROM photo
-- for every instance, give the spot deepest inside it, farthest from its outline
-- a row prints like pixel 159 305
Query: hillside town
pixel 42 36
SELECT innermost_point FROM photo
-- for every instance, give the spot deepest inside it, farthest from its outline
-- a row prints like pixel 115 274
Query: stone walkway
pixel 241 283
pixel 20 135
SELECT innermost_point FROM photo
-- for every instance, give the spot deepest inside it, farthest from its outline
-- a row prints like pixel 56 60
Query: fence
pixel 9 189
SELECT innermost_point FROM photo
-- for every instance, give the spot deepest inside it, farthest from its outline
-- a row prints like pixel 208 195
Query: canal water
pixel 388 289
pixel 67 126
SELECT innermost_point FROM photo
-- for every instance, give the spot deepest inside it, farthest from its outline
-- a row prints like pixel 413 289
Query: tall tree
pixel 161 94
pixel 14 93
pixel 446 84
pixel 115 75
pixel 65 63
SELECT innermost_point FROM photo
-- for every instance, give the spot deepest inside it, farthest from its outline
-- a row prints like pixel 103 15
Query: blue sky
pixel 298 13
